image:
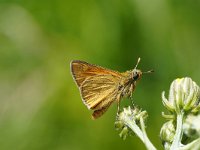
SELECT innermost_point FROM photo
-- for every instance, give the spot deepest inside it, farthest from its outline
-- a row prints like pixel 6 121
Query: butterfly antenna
pixel 137 63
pixel 150 71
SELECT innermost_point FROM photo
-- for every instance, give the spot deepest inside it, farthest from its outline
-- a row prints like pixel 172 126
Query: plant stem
pixel 140 133
pixel 178 135
pixel 133 126
pixel 147 142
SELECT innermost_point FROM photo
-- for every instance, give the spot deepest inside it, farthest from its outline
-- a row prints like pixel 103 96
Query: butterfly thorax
pixel 128 81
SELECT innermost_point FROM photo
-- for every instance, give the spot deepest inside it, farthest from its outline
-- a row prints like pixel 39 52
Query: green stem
pixel 141 134
pixel 133 126
pixel 147 142
pixel 179 132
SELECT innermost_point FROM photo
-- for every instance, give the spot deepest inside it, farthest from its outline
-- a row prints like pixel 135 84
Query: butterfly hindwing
pixel 97 91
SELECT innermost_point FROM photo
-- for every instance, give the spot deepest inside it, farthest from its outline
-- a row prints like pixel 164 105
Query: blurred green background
pixel 40 105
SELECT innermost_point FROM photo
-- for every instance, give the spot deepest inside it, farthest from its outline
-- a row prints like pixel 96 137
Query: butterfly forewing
pixel 98 86
pixel 82 70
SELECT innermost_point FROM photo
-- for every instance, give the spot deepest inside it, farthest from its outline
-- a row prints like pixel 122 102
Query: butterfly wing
pixel 98 91
pixel 98 86
pixel 82 70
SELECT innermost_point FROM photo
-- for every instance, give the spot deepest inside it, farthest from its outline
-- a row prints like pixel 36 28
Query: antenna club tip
pixel 151 71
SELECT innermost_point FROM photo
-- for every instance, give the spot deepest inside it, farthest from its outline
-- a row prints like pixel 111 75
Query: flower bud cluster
pixel 184 98
pixel 128 114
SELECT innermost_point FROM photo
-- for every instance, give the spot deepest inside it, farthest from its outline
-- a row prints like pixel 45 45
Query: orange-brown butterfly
pixel 100 87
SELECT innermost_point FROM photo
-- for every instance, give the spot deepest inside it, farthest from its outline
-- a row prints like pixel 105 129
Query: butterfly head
pixel 136 73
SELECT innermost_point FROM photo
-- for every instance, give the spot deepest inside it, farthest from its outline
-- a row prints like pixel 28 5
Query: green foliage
pixel 40 106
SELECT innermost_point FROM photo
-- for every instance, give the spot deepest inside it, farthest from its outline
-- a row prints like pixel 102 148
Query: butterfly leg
pixel 132 101
pixel 118 104
pixel 131 94
pixel 130 91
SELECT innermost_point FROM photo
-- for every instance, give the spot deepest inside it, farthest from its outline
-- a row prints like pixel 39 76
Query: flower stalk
pixel 147 142
pixel 133 119
pixel 179 132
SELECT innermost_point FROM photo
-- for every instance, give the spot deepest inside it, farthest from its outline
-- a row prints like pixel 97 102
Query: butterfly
pixel 100 87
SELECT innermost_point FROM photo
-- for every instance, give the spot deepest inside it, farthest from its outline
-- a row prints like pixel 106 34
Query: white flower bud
pixel 129 114
pixel 134 113
pixel 183 96
pixel 167 132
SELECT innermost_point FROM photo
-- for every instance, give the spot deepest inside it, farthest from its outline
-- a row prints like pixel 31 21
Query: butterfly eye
pixel 135 76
